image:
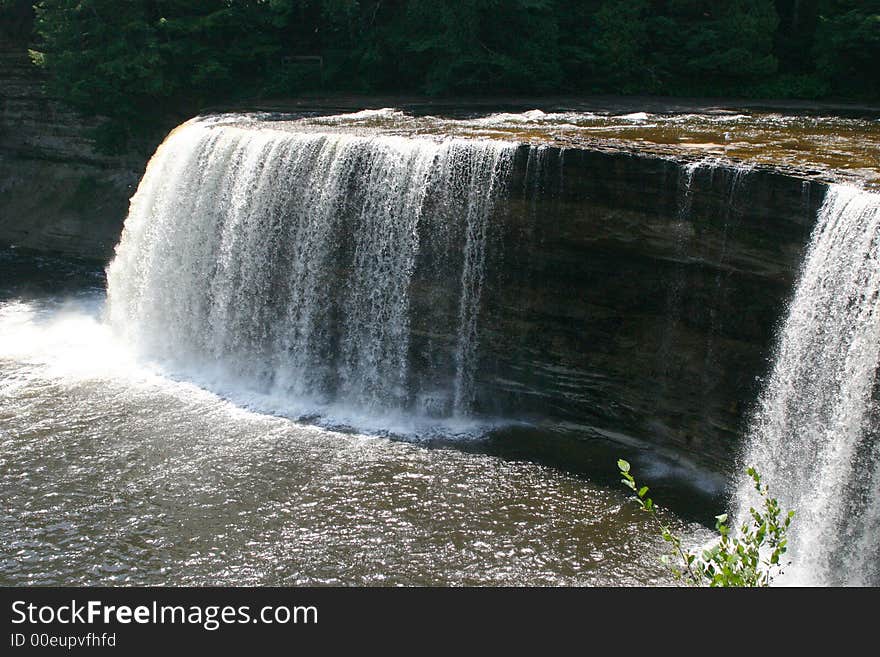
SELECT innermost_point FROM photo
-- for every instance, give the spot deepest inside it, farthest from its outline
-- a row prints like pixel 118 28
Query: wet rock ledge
pixel 57 193
pixel 635 298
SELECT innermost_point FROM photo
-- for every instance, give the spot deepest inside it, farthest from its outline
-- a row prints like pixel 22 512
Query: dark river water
pixel 113 472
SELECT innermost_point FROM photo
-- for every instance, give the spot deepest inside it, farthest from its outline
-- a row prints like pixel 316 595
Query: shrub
pixel 751 558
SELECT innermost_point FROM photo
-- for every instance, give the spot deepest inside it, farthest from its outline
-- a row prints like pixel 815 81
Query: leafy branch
pixel 751 558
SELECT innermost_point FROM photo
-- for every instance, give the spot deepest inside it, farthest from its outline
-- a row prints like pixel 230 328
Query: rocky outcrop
pixel 57 193
pixel 635 298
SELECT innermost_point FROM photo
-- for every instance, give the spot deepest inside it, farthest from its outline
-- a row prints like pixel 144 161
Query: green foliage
pixel 848 46
pixel 788 86
pixel 700 45
pixel 617 52
pixel 146 63
pixel 751 558
pixel 16 20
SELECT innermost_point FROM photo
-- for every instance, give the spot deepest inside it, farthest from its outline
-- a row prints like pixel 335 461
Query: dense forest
pixel 138 61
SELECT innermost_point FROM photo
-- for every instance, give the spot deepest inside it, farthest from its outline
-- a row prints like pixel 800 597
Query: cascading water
pixel 284 261
pixel 815 434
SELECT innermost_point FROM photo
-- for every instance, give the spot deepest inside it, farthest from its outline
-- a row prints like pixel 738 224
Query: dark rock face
pixel 636 298
pixel 56 192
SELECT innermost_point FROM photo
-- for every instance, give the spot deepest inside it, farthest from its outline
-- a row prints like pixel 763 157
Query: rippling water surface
pixel 832 147
pixel 113 473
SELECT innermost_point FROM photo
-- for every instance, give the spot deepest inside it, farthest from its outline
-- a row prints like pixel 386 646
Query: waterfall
pixel 814 437
pixel 283 261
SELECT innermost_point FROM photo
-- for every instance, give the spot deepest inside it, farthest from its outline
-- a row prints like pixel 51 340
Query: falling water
pixel 735 190
pixel 283 260
pixel 815 434
pixel 686 192
pixel 682 231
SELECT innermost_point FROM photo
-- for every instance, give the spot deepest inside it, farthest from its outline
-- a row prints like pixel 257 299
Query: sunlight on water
pixel 63 339
pixel 836 148
pixel 113 473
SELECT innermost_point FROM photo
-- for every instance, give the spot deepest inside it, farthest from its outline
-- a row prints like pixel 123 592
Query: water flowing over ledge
pixel 816 435
pixel 283 264
pixel 333 271
pixel 347 276
pixel 341 277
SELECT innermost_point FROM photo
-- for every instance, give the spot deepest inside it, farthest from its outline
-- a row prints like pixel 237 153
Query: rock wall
pixel 57 193
pixel 635 297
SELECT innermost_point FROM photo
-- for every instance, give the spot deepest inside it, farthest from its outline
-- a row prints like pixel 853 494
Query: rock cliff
pixel 57 193
pixel 635 298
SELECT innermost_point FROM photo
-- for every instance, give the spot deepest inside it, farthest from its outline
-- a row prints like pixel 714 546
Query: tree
pixel 701 45
pixel 795 36
pixel 848 46
pixel 146 64
pixel 475 45
pixel 16 20
pixel 617 52
pixel 143 61
pixel 103 57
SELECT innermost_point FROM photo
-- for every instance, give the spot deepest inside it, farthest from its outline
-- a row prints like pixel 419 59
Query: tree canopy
pixel 139 59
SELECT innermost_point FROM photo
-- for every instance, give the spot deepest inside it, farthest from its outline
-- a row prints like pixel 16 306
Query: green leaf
pixel 735 560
